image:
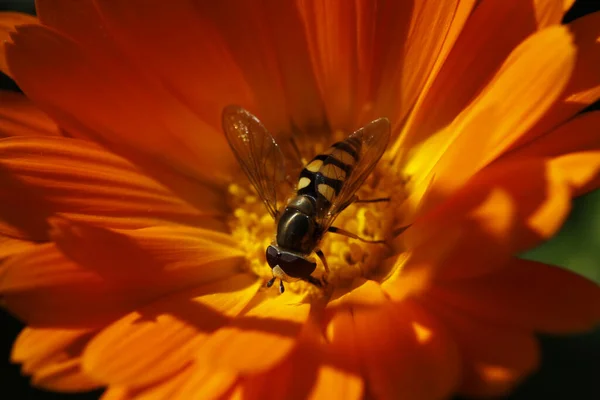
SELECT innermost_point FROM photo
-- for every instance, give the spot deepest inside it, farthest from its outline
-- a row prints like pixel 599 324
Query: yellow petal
pixel 53 358
pixel 584 85
pixel 258 339
pixel 499 115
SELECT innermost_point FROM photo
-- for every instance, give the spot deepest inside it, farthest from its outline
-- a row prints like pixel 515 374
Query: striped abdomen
pixel 323 177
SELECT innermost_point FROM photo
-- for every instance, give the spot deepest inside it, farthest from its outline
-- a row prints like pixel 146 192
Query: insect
pixel 325 187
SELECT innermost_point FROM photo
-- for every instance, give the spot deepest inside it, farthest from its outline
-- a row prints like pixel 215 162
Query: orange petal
pixel 8 22
pixel 258 339
pixel 314 369
pixel 583 87
pixel 19 117
pixel 574 148
pixel 160 339
pixel 492 32
pixel 269 44
pixel 97 93
pixel 494 357
pixel 11 246
pixel 90 286
pixel 504 110
pixel 43 176
pixel 507 208
pixel 53 358
pixel 405 354
pixel 199 69
pixel 195 381
pixel 529 295
pixel 550 12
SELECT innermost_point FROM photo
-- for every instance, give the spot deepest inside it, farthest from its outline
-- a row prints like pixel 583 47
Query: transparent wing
pixel 257 152
pixel 374 138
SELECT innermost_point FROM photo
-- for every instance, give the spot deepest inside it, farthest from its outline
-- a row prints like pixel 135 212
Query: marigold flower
pixel 133 247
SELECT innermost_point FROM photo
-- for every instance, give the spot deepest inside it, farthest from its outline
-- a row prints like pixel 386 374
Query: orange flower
pixel 133 247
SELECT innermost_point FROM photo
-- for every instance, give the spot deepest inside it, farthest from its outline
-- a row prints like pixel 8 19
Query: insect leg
pixel 297 150
pixel 319 253
pixel 333 229
pixel 314 281
pixel 377 200
pixel 270 283
pixel 281 288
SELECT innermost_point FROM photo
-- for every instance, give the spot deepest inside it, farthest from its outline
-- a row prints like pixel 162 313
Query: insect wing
pixel 374 138
pixel 257 152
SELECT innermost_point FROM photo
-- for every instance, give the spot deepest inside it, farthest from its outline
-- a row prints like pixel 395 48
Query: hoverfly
pixel 325 187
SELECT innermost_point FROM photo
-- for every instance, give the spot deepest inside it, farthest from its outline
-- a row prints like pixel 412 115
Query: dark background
pixel 570 367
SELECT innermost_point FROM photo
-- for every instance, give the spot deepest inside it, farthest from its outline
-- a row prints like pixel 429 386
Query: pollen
pixel 254 230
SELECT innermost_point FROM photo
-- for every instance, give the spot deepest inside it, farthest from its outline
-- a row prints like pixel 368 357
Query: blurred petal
pixel 199 69
pixel 493 31
pixel 44 176
pixel 494 216
pixel 57 72
pixel 173 327
pixel 550 12
pixel 269 44
pixel 195 381
pixel 19 117
pixel 53 358
pixel 504 110
pixel 8 22
pixel 494 357
pixel 574 148
pixel 527 295
pixel 583 87
pixel 79 283
pixel 405 353
pixel 11 246
pixel 259 338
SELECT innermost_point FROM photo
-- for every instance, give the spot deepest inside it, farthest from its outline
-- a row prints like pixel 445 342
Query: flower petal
pixel 269 44
pixel 8 22
pixel 195 381
pixel 527 294
pixel 583 87
pixel 405 353
pixel 11 246
pixel 89 92
pixel 19 117
pixel 259 338
pixel 495 357
pixel 494 29
pixel 78 179
pixel 574 148
pixel 173 328
pixel 53 358
pixel 504 110
pixel 78 283
pixel 551 12
pixel 198 69
pixel 493 217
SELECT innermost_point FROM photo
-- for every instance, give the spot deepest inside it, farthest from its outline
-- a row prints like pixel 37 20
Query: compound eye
pixel 272 256
pixel 295 266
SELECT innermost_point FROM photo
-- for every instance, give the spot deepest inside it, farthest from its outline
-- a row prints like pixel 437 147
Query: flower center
pixel 254 229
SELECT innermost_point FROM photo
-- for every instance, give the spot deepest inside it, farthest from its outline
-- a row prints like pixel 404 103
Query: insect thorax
pixel 297 228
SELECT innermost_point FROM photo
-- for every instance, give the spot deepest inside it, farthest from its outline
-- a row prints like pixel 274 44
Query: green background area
pixel 570 366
